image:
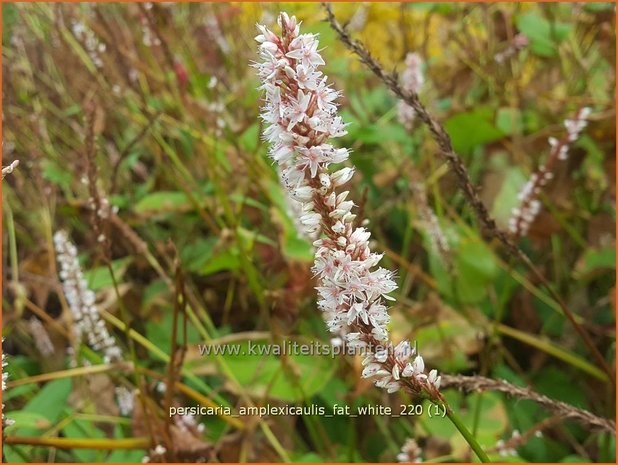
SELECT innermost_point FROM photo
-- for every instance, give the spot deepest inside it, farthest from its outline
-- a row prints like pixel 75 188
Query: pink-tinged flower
pixel 266 35
pixel 523 215
pixel 306 78
pixel 300 113
pixel 297 111
pixel 434 379
pixel 412 80
pixel 325 96
pixel 305 49
pixel 410 452
pixel 312 158
pixel 288 23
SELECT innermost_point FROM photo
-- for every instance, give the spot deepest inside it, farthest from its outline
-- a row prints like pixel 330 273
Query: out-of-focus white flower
pixel 81 301
pixel 9 169
pixel 412 80
pixel 40 337
pixel 520 41
pixel 126 400
pixel 410 452
pixel 529 205
pixel 5 376
pixel 86 36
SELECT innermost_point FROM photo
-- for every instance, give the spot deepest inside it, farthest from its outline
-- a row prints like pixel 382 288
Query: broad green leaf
pixel 81 429
pixel 163 201
pixel 9 19
pixel 226 260
pixel 558 385
pixel 506 199
pixel 100 277
pixel 293 246
pixel 476 267
pixel 595 260
pixel 509 121
pixel 55 174
pixel 49 403
pixel 195 256
pixel 471 129
pixel 125 456
pixel 250 139
pixel 159 331
pixel 297 248
pixel 23 419
pixel 309 457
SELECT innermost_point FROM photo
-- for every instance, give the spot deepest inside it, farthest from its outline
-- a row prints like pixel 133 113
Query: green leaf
pixel 100 277
pixel 226 260
pixel 595 260
pixel 471 129
pixel 506 199
pixel 163 201
pixel 309 457
pixel 195 256
pixel 293 246
pixel 599 6
pixel 9 18
pixel 159 331
pixel 81 429
pixel 475 268
pixel 17 391
pixel 509 121
pixel 574 458
pixel 49 403
pixel 55 174
pixel 558 385
pixel 543 35
pixel 297 248
pixel 250 139
pixel 25 419
pixel 124 456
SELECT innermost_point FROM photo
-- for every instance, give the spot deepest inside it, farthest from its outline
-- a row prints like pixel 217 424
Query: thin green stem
pixel 552 349
pixel 467 435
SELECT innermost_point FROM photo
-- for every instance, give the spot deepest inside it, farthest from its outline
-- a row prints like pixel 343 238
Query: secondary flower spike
pixel 81 301
pixel 300 112
pixel 529 206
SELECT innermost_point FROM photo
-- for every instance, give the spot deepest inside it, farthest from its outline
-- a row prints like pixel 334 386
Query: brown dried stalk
pixel 443 140
pixel 480 383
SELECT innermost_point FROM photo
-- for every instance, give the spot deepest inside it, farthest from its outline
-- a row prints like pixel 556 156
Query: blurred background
pixel 154 108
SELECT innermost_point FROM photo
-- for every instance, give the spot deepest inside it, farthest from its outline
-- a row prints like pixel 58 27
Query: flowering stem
pixel 470 439
pixel 301 111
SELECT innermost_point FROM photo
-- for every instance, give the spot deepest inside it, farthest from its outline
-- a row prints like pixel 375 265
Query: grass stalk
pixel 467 435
